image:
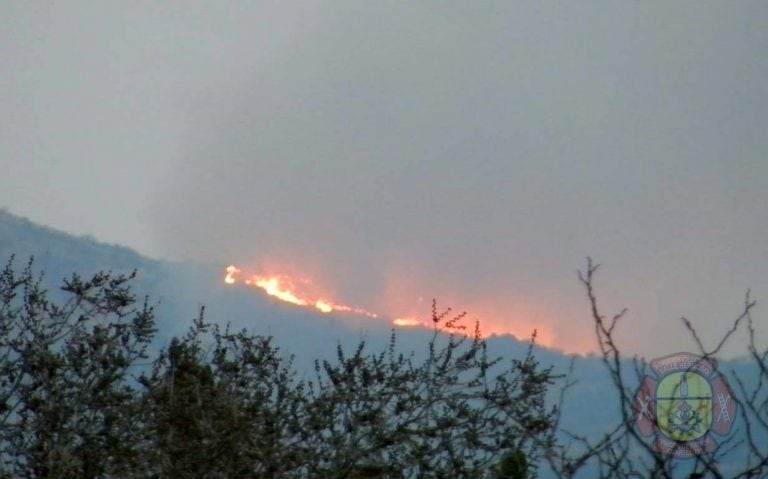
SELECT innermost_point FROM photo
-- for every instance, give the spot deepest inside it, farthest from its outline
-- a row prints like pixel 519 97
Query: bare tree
pixel 626 452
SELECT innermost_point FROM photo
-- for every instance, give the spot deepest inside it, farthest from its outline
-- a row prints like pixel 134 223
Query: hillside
pixel 59 253
pixel 180 290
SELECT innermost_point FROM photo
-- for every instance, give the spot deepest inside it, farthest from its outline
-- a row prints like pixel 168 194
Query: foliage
pixel 67 406
pixel 454 414
pixel 84 393
pixel 82 396
pixel 514 465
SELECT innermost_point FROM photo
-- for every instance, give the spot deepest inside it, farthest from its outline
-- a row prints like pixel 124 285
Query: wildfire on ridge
pixel 284 288
pixel 297 292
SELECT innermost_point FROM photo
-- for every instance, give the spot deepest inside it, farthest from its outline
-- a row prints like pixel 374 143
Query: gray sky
pixel 471 151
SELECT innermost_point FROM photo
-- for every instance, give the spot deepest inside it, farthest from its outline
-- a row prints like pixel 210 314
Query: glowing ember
pixel 407 322
pixel 323 306
pixel 231 272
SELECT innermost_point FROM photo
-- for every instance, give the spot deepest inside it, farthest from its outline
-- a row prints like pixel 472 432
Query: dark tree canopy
pixel 85 395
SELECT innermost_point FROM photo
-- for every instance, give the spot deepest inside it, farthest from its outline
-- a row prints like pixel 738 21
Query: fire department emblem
pixel 684 404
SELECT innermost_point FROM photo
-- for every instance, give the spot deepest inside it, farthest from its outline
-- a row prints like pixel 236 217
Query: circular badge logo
pixel 683 403
pixel 683 406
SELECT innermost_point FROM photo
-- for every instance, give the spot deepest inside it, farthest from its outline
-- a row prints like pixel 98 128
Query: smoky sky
pixel 475 152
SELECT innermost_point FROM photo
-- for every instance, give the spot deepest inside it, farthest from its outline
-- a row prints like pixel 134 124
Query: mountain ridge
pixel 181 290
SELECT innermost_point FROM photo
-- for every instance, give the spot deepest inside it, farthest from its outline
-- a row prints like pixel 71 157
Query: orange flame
pixel 407 322
pixel 284 289
pixel 278 287
pixel 294 291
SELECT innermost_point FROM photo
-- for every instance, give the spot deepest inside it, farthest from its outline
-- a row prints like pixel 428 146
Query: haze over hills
pixel 180 290
pixel 378 155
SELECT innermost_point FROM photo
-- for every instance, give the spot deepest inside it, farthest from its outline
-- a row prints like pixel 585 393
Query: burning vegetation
pixel 291 291
pixel 303 293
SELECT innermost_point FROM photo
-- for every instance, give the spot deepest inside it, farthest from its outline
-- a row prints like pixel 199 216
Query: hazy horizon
pixel 475 153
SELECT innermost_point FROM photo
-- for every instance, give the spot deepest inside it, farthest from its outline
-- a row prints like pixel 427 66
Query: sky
pixel 394 152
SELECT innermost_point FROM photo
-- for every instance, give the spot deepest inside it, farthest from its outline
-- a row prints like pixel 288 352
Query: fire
pixel 323 306
pixel 407 322
pixel 300 292
pixel 294 292
pixel 278 287
pixel 231 272
pixel 285 289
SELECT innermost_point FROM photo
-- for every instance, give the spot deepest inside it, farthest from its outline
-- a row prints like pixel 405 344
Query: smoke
pixel 477 154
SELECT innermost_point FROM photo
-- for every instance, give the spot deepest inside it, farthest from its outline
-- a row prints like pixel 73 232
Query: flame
pixel 278 287
pixel 519 318
pixel 407 322
pixel 231 272
pixel 285 289
pixel 323 306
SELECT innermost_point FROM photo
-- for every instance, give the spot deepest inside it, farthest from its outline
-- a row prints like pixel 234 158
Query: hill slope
pixel 182 289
